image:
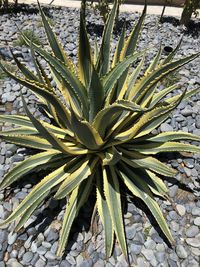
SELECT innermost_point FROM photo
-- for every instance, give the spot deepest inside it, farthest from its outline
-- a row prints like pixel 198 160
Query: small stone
pixel 173 190
pixel 192 231
pixel 186 112
pixel 165 127
pixel 148 253
pixel 142 263
pixel 17 158
pixel 197 221
pixel 50 256
pixel 27 244
pixel 21 195
pixel 128 215
pixel 79 260
pixel 54 247
pixel 21 252
pixel 27 257
pixel 194 242
pixel 160 247
pixel 135 249
pixel 87 263
pixel 181 209
pixel 88 236
pixel 181 252
pixel 130 232
pixel 197 121
pixel 15 263
pixel 156 238
pixel 173 215
pixel 65 264
pixel 196 211
pixel 12 238
pixel 41 250
pixel 99 263
pixel 172 263
pixel 34 247
pixel 52 236
pixel 71 259
pixel 46 244
pixel 117 251
pixel 10 147
pixel 160 256
pixel 40 263
pixel 14 254
pixel 174 226
pixel 80 237
pixel 23 237
pixel 195 251
pixel 150 244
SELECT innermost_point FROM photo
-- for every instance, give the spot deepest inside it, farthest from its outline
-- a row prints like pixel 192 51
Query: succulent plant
pixel 102 115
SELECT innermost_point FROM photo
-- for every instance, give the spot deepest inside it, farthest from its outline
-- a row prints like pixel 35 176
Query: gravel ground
pixel 36 244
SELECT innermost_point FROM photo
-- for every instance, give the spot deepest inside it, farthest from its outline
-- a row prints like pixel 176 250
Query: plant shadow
pixel 192 29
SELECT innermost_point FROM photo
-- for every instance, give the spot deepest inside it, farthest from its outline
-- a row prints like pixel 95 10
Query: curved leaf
pixel 104 213
pixel 151 204
pixel 76 201
pixel 112 194
pixel 29 165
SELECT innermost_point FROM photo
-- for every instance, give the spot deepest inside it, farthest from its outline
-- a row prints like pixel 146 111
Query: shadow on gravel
pixel 140 205
pixel 50 213
pixel 193 28
pixel 27 9
pixel 97 29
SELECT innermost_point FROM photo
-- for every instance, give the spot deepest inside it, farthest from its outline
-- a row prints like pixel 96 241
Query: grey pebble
pixel 15 263
pixel 88 236
pixel 150 244
pixel 99 263
pixel 181 252
pixel 21 252
pixel 181 209
pixel 46 244
pixel 34 247
pixel 160 256
pixel 174 226
pixel 21 195
pixel 197 221
pixel 130 232
pixel 13 254
pixel 196 211
pixel 194 242
pixel 173 215
pixel 70 259
pixel 135 249
pixel 148 253
pixel 12 238
pixel 27 244
pixel 50 256
pixel 156 238
pixel 79 260
pixel 65 264
pixel 192 231
pixel 41 250
pixel 52 236
pixel 27 257
pixel 173 190
pixel 87 263
pixel 40 263
pixel 165 127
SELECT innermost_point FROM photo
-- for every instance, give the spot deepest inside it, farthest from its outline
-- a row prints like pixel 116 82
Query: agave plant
pixel 102 114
